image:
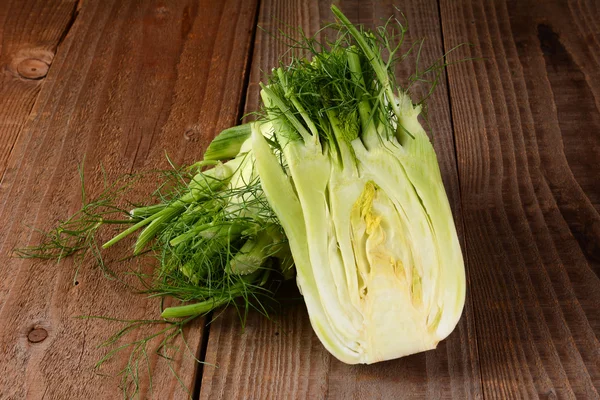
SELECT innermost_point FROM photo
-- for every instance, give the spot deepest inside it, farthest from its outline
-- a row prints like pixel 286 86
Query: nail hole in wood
pixel 191 135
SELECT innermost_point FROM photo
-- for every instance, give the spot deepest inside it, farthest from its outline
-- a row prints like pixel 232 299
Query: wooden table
pixel 121 83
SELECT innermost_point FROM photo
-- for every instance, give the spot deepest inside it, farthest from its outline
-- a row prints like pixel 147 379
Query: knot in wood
pixel 37 335
pixel 32 68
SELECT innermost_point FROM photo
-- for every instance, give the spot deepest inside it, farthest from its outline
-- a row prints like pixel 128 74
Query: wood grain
pixel 130 81
pixel 283 358
pixel 526 124
pixel 30 32
pixel 121 83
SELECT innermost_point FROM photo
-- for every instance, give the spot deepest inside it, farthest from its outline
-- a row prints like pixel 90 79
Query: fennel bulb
pixel 361 199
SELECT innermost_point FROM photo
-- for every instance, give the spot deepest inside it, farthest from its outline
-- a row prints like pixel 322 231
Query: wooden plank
pixel 283 358
pixel 526 122
pixel 30 32
pixel 131 81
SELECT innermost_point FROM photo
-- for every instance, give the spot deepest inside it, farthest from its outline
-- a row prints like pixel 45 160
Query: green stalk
pixel 145 212
pixel 277 102
pixel 202 186
pixel 130 230
pixel 210 231
pixel 228 143
pixel 369 133
pixel 374 59
pixel 150 232
pixel 206 306
pixel 193 231
pixel 296 103
pixel 200 308
pixel 252 254
pixel 345 150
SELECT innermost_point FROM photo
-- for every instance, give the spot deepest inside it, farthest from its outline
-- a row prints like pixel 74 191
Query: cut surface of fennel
pixel 376 252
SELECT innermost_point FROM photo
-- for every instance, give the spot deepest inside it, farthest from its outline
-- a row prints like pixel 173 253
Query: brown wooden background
pixel 121 82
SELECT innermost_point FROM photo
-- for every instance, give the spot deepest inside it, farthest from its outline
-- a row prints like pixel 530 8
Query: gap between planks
pixel 464 237
pixel 208 319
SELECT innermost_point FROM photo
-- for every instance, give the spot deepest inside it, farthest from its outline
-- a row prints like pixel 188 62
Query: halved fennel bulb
pixel 372 235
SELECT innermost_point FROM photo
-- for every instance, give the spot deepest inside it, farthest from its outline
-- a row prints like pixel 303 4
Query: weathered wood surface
pixel 526 123
pixel 129 82
pixel 30 33
pixel 518 139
